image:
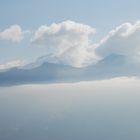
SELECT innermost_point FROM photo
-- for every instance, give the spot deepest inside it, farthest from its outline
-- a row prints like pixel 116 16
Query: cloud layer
pixel 11 64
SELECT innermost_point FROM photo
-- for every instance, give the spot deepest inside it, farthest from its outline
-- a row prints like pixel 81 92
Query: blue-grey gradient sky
pixel 97 13
pixel 87 32
pixel 32 14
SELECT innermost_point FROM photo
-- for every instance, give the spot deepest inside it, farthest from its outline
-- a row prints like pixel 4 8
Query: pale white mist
pixel 98 110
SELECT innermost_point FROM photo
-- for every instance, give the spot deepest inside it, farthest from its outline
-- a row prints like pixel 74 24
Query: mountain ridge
pixel 114 65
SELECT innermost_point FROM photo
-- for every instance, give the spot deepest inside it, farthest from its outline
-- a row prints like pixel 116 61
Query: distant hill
pixel 111 66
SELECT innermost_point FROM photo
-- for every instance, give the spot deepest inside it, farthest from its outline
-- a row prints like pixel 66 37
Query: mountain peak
pixel 113 59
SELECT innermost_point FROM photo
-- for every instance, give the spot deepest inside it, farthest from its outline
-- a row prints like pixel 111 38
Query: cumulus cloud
pixel 14 34
pixel 67 42
pixel 124 40
pixel 11 64
pixel 70 43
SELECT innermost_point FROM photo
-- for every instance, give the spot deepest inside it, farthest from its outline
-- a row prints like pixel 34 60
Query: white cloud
pixel 67 42
pixel 125 40
pixel 14 33
pixel 11 64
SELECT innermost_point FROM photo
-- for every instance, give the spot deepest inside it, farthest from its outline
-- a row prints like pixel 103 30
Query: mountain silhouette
pixel 114 65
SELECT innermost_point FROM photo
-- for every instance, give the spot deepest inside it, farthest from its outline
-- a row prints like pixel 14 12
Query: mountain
pixel 46 72
pixel 114 65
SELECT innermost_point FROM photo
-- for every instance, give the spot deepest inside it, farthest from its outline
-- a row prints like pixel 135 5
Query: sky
pixel 31 15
